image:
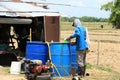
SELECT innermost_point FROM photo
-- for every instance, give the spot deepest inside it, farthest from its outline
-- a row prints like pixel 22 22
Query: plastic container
pixel 61 58
pixel 15 67
pixel 37 51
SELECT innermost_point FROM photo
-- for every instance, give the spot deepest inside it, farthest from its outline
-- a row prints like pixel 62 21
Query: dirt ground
pixel 5 74
pixel 109 55
pixel 103 52
pixel 104 48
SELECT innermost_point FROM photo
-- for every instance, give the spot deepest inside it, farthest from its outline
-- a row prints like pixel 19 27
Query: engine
pixel 35 68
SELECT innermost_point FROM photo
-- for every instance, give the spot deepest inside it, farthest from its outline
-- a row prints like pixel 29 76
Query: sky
pixel 80 8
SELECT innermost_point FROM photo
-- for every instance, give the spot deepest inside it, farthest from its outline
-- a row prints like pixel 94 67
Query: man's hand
pixel 68 39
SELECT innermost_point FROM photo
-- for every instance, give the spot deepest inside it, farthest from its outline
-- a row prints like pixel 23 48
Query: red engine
pixel 38 69
pixel 34 68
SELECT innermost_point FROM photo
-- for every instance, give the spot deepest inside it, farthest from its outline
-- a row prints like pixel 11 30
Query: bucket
pixel 36 50
pixel 60 54
pixel 15 67
pixel 74 63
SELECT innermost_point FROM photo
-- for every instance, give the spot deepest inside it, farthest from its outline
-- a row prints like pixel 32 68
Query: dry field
pixel 104 52
pixel 106 44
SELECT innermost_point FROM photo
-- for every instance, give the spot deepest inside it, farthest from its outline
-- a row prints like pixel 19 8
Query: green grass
pixel 89 66
pixel 113 75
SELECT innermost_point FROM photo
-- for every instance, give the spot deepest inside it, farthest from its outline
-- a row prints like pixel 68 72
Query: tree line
pixel 84 19
pixel 113 7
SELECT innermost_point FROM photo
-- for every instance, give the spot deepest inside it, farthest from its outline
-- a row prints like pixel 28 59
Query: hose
pixel 51 60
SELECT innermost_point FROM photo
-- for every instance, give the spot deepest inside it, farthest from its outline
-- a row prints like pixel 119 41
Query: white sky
pixel 84 7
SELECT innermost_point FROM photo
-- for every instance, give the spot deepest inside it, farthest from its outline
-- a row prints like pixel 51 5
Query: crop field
pixel 103 60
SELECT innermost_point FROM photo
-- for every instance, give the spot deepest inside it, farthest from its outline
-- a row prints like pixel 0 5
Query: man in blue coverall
pixel 80 33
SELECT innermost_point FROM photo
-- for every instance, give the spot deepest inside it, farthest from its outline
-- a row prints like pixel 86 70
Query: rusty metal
pixel 52 28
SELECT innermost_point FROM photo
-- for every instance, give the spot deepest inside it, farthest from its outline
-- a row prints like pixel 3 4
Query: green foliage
pixel 107 6
pixel 93 19
pixel 115 16
pixel 84 19
pixel 115 12
pixel 68 19
pixel 89 19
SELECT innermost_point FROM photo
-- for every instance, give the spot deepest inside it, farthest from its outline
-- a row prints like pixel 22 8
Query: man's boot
pixel 80 72
pixel 83 69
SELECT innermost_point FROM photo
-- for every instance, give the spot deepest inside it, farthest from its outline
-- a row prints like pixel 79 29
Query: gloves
pixel 66 40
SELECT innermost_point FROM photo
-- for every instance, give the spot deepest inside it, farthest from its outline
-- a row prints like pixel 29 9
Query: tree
pixel 114 7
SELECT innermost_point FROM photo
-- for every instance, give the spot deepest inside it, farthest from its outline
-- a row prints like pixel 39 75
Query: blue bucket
pixel 60 54
pixel 37 51
pixel 74 57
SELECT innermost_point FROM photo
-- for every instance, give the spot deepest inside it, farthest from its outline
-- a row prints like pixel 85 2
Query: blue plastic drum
pixel 61 58
pixel 37 51
pixel 74 57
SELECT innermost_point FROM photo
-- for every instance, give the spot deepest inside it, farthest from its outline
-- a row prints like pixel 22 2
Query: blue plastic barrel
pixel 61 58
pixel 36 50
pixel 74 57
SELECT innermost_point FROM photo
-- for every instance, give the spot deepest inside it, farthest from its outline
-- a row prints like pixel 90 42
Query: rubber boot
pixel 84 70
pixel 79 70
